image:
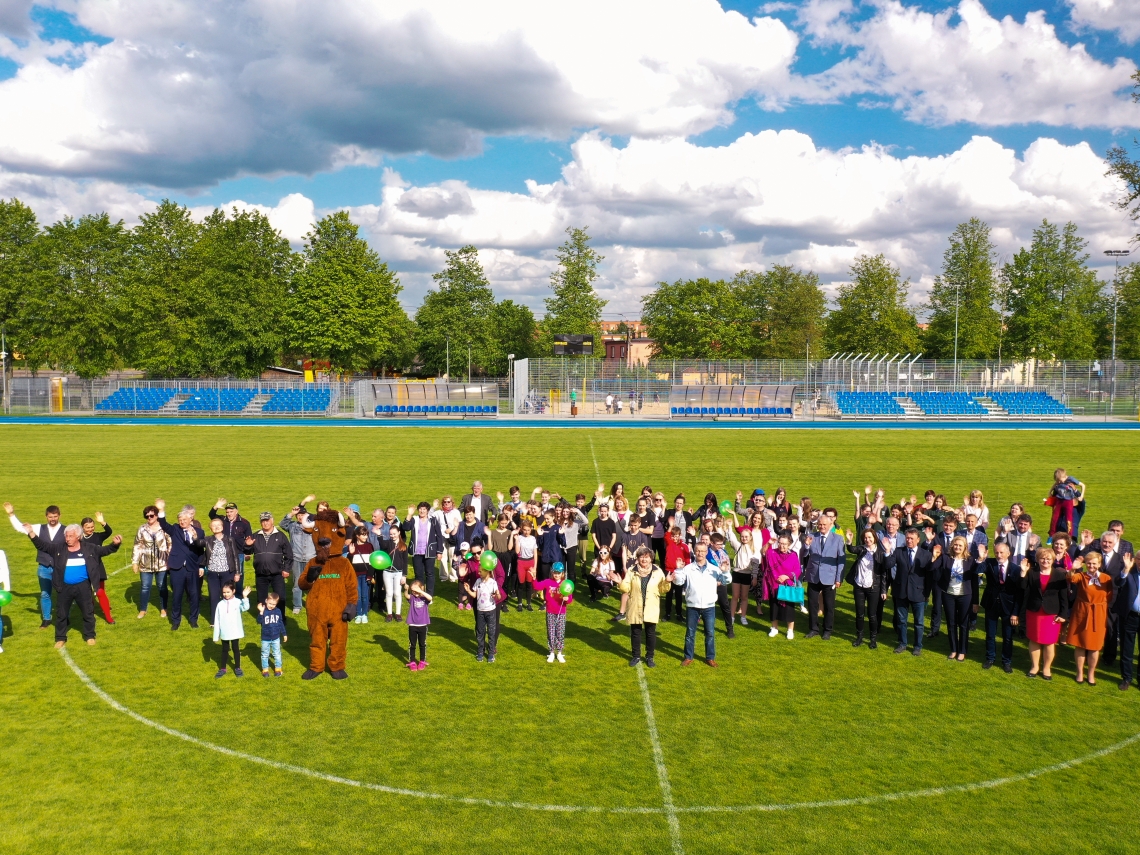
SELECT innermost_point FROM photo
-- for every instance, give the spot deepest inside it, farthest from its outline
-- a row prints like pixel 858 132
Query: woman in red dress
pixel 1046 609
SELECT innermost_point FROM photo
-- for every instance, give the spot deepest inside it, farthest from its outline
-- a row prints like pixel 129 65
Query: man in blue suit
pixel 1126 607
pixel 824 556
pixel 910 572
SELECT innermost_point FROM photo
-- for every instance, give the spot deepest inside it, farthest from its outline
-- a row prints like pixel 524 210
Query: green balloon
pixel 726 507
pixel 566 588
pixel 5 598
pixel 380 560
pixel 488 560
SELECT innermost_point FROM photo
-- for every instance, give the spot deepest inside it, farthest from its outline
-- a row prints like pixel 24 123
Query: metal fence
pixel 1090 388
pixel 41 395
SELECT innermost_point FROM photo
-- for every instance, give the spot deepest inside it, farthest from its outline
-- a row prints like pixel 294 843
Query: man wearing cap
pixel 296 525
pixel 235 527
pixel 272 558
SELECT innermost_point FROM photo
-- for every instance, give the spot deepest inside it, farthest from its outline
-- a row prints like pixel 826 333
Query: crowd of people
pixel 660 559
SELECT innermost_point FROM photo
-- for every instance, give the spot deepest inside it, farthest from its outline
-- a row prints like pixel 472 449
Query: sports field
pixel 522 756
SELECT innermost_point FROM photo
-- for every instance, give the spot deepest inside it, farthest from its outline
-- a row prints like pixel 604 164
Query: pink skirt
pixel 1042 628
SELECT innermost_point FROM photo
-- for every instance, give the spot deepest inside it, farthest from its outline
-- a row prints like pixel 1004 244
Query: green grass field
pixel 780 722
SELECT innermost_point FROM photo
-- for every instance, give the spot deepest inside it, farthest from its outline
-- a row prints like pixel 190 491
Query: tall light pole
pixel 1115 255
pixel 447 369
pixel 957 291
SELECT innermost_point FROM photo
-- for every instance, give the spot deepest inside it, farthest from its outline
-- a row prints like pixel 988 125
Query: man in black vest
pixel 49 532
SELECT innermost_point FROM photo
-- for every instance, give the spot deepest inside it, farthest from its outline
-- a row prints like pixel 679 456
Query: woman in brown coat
pixel 1089 620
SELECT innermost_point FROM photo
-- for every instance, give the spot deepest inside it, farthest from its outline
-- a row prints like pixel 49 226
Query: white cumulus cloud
pixel 1123 16
pixel 187 92
pixel 963 65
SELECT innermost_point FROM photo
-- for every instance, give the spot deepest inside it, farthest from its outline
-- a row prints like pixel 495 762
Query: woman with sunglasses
pixel 152 549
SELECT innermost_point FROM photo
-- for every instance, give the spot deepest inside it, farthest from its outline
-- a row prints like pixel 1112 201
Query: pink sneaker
pixel 412 666
pixel 421 667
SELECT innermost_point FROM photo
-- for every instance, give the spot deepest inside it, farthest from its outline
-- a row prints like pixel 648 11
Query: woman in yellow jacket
pixel 645 584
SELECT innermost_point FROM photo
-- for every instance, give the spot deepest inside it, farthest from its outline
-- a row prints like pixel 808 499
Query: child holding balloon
pixel 359 550
pixel 392 561
pixel 485 593
pixel 558 593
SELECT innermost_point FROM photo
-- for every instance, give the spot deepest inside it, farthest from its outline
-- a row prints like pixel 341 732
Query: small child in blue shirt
pixel 272 622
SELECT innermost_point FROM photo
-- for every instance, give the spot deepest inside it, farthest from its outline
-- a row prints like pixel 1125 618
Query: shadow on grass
pixel 391 646
pixel 522 639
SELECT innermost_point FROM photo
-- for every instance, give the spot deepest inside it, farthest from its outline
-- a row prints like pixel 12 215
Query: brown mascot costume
pixel 330 582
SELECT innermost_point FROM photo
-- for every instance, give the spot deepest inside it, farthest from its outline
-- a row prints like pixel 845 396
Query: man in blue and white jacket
pixel 700 579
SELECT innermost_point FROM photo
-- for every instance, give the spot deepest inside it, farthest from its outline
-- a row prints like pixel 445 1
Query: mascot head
pixel 327 526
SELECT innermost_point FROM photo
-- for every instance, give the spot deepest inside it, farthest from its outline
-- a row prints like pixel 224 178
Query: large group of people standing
pixel 659 558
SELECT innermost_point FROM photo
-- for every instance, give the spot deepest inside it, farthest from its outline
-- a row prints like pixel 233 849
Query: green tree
pixel 162 333
pixel 1128 314
pixel 19 232
pixel 458 315
pixel 785 309
pixel 343 306
pixel 695 319
pixel 515 332
pixel 964 293
pixel 244 269
pixel 1056 309
pixel 871 315
pixel 70 321
pixel 574 308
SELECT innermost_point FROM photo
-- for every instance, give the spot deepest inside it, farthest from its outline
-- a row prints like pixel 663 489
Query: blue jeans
pixel 44 574
pixel 995 619
pixel 148 580
pixel 902 615
pixel 362 596
pixel 269 648
pixel 705 615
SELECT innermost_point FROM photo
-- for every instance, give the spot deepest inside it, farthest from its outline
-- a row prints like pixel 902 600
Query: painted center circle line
pixel 470 800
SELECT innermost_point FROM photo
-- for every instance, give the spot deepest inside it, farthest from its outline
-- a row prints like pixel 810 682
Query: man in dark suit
pixel 75 572
pixel 1123 546
pixel 184 562
pixel 485 510
pixel 1023 543
pixel 824 556
pixel 942 540
pixel 1001 599
pixel 910 572
pixel 1126 609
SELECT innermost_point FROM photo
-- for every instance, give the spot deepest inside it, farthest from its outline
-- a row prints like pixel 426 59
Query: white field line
pixel 659 762
pixel 117 572
pixel 857 801
pixel 597 472
pixel 336 779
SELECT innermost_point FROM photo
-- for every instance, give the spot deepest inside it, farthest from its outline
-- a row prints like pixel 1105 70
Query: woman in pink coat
pixel 781 567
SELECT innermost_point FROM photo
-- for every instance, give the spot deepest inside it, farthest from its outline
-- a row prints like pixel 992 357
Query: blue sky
pixel 115 107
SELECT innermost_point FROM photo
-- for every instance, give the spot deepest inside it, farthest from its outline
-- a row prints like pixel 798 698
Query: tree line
pixel 1044 303
pixel 228 297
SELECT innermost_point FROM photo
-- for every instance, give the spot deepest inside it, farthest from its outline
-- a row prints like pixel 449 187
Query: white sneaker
pixel 364 619
pixel 561 658
pixel 791 634
pixel 296 611
pixel 1 648
pixel 803 609
pixel 550 658
pixel 773 632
